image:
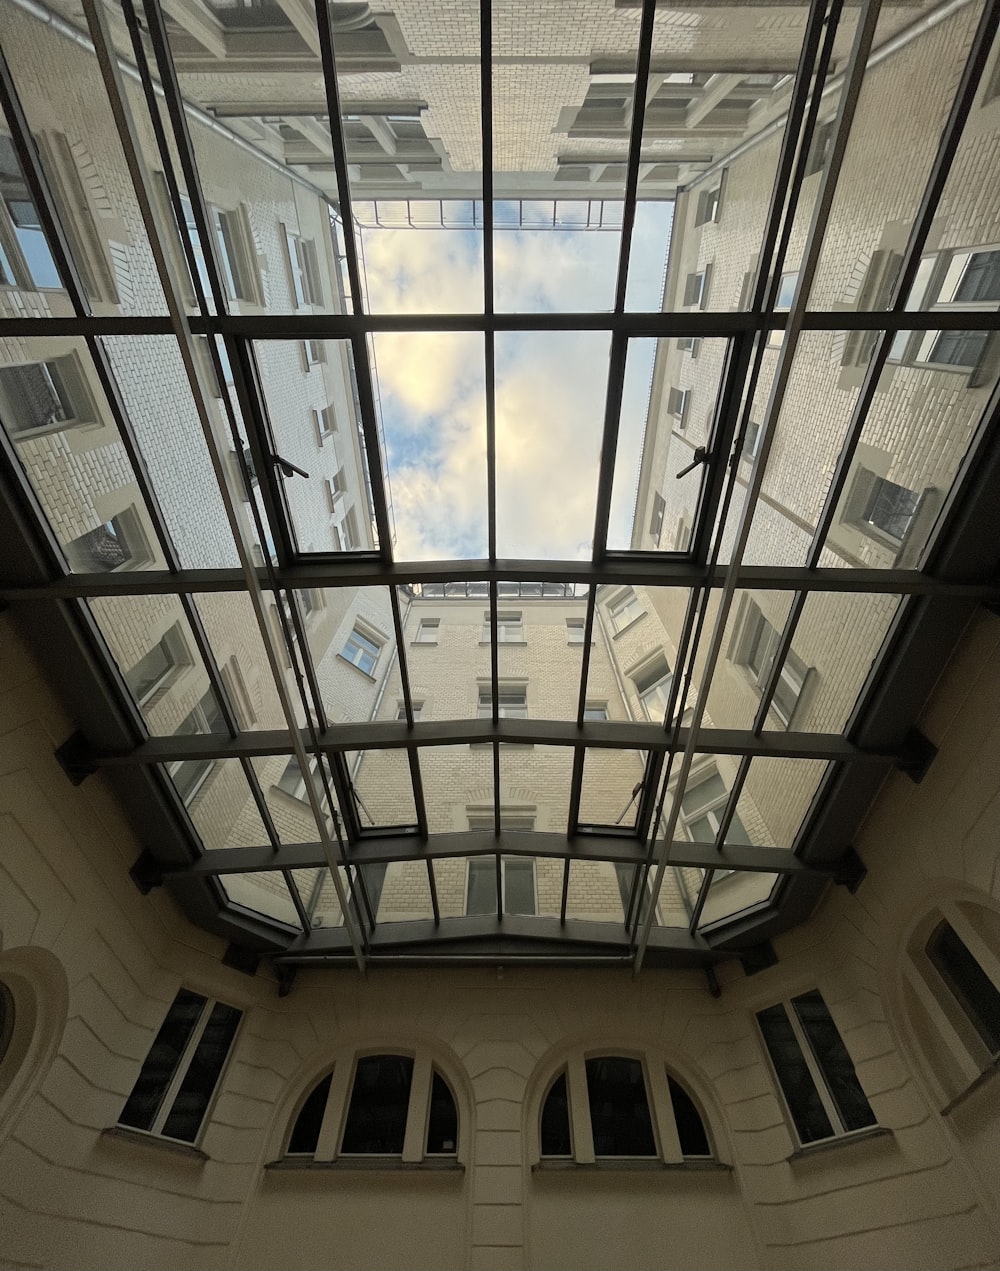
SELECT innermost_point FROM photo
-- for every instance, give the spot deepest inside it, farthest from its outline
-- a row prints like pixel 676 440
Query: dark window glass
pixel 958 348
pixel 619 1111
pixel 555 1120
pixel 482 897
pixel 890 508
pixel 203 1073
pixel 162 1060
pixel 99 550
pixel 690 1128
pixel 6 1019
pixel 981 280
pixel 519 885
pixel 305 1135
pixel 834 1061
pixel 808 1113
pixel 376 1119
pixel 442 1123
pixel 974 990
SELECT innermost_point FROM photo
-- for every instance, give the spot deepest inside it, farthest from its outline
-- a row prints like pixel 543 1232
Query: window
pixel 575 630
pixel 303 266
pixel 418 709
pixel 399 1106
pixel 819 149
pixel 968 983
pixel 656 517
pixel 783 301
pixel 751 440
pixel 292 781
pixel 754 649
pixel 633 1110
pixel 517 879
pixel 43 397
pixel 482 819
pixel 25 259
pixel 595 710
pixel 237 254
pixel 702 808
pixel 117 544
pixel 189 775
pixel 689 344
pixel 349 531
pixel 678 402
pixel 182 1070
pixel 875 292
pixel 313 352
pixel 325 422
pixel 880 508
pixel 427 631
pixel 362 651
pixel 652 683
pixel 156 670
pixel 709 206
pixel 510 628
pixel 335 487
pixel 512 701
pixel 239 697
pixel 626 610
pixel 696 288
pixel 814 1071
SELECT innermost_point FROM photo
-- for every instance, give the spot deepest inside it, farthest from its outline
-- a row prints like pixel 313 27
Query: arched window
pixel 620 1107
pixel 6 1019
pixel 390 1106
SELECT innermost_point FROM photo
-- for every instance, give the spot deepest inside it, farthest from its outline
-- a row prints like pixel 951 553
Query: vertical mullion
pixel 300 909
pixel 489 338
pixel 635 147
pixel 432 887
pixel 815 1071
pixel 404 671
pixel 370 435
pixel 588 637
pixel 180 1071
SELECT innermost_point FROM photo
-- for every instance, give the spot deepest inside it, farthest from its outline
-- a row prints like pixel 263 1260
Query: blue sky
pixel 551 387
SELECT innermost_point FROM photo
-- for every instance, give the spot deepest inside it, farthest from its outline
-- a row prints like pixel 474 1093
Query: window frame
pixel 754 631
pixel 68 383
pixel 427 631
pixel 621 610
pixel 237 254
pixel 488 863
pixel 361 635
pixel 178 658
pixel 303 269
pixel 484 700
pixel 651 692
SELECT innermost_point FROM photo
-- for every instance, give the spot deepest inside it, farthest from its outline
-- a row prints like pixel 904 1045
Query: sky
pixel 550 387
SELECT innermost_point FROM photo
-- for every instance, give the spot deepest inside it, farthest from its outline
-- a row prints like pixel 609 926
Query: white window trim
pixel 740 648
pixel 369 633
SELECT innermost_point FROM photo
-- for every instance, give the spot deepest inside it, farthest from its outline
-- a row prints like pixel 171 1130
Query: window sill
pixel 613 1165
pixel 431 1165
pixel 155 1142
pixel 842 1140
pixel 504 644
pixel 423 644
pixel 347 662
pixel 988 1073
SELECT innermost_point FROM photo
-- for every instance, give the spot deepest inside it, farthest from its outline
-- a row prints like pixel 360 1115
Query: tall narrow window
pixel 517 879
pixel 814 1070
pixel 967 982
pixel 380 1098
pixel 619 1108
pixel 555 1132
pixel 182 1070
pixel 652 682
pixel 427 631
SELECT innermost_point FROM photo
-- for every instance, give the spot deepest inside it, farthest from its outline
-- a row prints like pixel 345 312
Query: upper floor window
pixel 595 710
pixel 512 702
pixel 427 631
pixel 625 1108
pixel 973 989
pixel 179 1077
pixel 25 258
pixel 117 544
pixel 237 254
pixel 821 1090
pixel 652 682
pixel 517 877
pixel 656 517
pixel 43 397
pixel 395 1106
pixel 625 610
pixel 510 627
pixel 782 302
pixel 755 647
pixel 362 651
pixel 880 508
pixel 157 669
pixel 678 403
pixel 325 422
pixel 575 630
pixel 303 264
pixel 313 352
pixel 702 807
pixel 189 775
pixel 696 288
pixel 709 205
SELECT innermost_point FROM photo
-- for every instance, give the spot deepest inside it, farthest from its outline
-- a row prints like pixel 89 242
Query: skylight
pixel 500 490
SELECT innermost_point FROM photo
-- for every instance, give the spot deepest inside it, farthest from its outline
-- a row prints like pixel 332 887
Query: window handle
pixel 700 456
pixel 286 468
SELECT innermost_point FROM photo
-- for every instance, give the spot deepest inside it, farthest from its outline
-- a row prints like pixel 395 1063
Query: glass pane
pixel 311 396
pixel 458 788
pixel 776 798
pixel 687 1118
pixel 198 1086
pixel 305 1133
pixel 753 630
pixel 383 787
pixel 406 893
pixel 636 630
pixel 353 647
pixel 442 1120
pixel 265 893
pixel 26 260
pixel 732 892
pixel 611 790
pixel 219 802
pixel 975 991
pixel 555 1133
pixel 233 634
pixel 481 893
pixel 433 412
pixel 433 263
pixel 550 402
pixel 158 1069
pixel 619 1111
pixel 534 785
pixel 594 894
pixel 319 896
pixel 797 1085
pixel 834 1061
pixel 376 1119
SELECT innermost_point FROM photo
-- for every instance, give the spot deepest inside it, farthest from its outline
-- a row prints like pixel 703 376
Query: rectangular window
pixel 325 422
pixel 236 254
pixel 880 508
pixel 817 1078
pixel 517 879
pixel 349 531
pixel 652 683
pixel 189 775
pixel 153 674
pixel 25 259
pixel 678 402
pixel 362 651
pixel 418 709
pixel 967 982
pixel 709 206
pixel 117 544
pixel 575 630
pixel 696 289
pixel 292 782
pixel 183 1067
pixel 303 267
pixel 783 302
pixel 313 352
pixel 512 702
pixel 510 628
pixel 335 487
pixel 751 440
pixel 702 808
pixel 656 517
pixel 43 397
pixel 819 149
pixel 755 649
pixel 625 611
pixel 427 631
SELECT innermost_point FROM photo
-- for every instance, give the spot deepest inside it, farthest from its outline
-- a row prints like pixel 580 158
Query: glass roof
pixel 496 470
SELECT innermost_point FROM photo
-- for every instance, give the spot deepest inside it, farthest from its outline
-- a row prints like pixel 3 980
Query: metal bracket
pixel 286 978
pixel 147 872
pixel 240 958
pixel 916 755
pixel 76 758
pixel 850 871
pixel 758 958
pixel 713 981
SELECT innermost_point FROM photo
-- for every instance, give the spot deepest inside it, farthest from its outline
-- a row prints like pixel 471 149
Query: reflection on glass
pixel 433 404
pixel 612 787
pixel 233 635
pixel 310 393
pixel 265 893
pixel 534 785
pixel 217 796
pixel 664 431
pixel 550 400
pixel 382 786
pixel 595 891
pixel 732 891
pixel 318 894
pixel 458 788
pixel 776 797
pixel 352 643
